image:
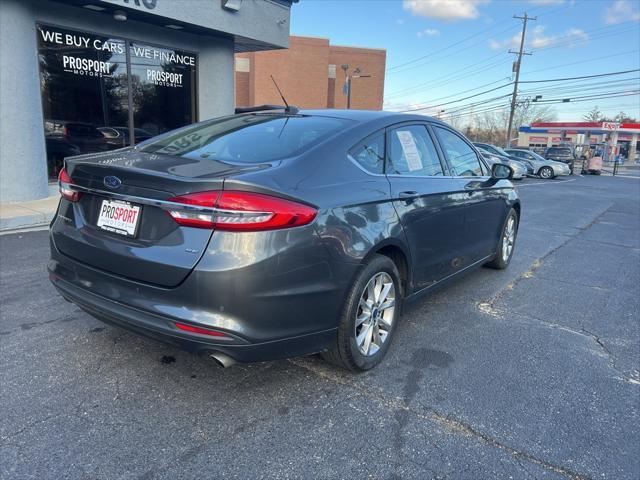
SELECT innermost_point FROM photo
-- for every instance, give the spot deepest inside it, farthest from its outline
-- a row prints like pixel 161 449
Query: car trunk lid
pixel 158 250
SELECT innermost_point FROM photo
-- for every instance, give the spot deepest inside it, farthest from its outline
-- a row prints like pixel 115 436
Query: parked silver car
pixel 519 169
pixel 541 166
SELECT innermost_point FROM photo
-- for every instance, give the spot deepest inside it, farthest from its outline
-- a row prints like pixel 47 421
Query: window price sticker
pixel 410 150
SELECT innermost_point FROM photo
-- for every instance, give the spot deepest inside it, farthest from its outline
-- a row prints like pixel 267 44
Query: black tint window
pixel 560 151
pixel 370 154
pixel 463 159
pixel 247 138
pixel 412 152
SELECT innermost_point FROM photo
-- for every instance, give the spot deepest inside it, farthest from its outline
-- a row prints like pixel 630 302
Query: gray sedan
pixel 279 232
pixel 541 166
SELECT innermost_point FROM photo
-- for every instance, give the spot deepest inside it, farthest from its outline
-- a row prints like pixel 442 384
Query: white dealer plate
pixel 119 217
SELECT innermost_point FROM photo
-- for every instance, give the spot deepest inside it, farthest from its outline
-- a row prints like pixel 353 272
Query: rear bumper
pixel 163 329
pixel 283 304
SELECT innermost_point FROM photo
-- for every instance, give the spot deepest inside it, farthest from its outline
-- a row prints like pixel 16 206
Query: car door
pixel 485 205
pixel 428 201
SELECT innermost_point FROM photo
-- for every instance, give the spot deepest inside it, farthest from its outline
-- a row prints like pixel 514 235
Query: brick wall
pixel 366 93
pixel 302 72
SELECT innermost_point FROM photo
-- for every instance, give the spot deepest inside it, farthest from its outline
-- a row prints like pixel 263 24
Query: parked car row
pixel 555 163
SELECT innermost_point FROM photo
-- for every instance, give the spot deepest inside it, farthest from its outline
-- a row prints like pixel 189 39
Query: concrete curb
pixel 15 216
pixel 27 221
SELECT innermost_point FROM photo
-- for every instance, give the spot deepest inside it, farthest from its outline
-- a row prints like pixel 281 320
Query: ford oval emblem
pixel 112 181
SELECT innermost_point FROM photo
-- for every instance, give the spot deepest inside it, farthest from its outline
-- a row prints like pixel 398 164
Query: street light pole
pixel 349 78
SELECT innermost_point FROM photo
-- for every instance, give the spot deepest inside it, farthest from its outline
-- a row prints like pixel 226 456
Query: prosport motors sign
pixel 80 54
pixel 87 55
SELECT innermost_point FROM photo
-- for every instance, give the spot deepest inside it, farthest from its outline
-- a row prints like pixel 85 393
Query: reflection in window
pixel 412 152
pixel 84 86
pixel 85 92
pixel 163 85
pixel 463 159
pixel 370 154
pixel 234 139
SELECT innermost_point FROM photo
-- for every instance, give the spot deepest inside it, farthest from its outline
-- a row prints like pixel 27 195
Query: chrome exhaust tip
pixel 223 360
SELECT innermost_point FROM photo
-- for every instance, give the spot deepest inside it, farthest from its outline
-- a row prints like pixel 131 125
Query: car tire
pixel 357 348
pixel 508 236
pixel 546 173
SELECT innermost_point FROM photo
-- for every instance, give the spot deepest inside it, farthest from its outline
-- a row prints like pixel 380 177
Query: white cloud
pixel 445 9
pixel 539 29
pixel 513 42
pixel 567 39
pixel 538 40
pixel 621 11
pixel 429 32
pixel 546 2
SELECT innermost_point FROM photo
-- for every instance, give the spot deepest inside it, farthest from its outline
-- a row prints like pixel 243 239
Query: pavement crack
pixel 634 378
pixel 28 426
pixel 489 305
pixel 447 422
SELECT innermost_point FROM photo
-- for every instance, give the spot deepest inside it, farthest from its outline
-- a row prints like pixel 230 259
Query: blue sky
pixel 465 43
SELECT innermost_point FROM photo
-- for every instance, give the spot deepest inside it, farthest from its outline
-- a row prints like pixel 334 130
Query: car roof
pixel 366 116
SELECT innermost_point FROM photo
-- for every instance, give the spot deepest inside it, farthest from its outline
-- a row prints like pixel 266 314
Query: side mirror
pixel 500 171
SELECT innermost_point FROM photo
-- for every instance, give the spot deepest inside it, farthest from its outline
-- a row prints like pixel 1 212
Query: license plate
pixel 119 217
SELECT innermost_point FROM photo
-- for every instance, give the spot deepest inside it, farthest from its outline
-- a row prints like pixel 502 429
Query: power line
pixel 584 98
pixel 415 60
pixel 467 91
pixel 591 60
pixel 446 48
pixel 459 100
pixel 419 85
pixel 585 76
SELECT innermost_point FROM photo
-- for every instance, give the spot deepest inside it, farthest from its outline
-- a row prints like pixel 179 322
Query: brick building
pixel 309 73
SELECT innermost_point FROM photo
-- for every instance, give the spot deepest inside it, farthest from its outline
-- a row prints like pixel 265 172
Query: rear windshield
pixel 560 151
pixel 247 138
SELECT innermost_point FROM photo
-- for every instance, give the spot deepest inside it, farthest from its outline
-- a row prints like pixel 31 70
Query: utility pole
pixel 520 53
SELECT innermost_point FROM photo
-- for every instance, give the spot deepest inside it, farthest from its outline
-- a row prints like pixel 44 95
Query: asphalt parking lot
pixel 532 372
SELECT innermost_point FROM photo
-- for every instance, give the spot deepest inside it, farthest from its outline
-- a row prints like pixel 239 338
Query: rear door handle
pixel 409 194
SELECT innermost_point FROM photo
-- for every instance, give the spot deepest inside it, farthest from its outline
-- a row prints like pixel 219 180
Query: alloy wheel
pixel 375 314
pixel 508 238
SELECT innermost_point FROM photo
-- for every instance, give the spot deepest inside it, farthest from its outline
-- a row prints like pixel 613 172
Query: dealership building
pixel 81 76
pixel 623 136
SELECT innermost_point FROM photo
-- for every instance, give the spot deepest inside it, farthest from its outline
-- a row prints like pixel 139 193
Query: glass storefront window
pixel 98 92
pixel 163 86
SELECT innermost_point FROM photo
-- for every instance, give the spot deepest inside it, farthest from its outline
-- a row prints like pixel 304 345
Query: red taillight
pixel 65 132
pixel 64 181
pixel 241 211
pixel 203 331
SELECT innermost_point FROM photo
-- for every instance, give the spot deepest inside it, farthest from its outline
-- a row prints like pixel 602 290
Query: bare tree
pixel 621 117
pixel 456 122
pixel 594 115
pixel 492 125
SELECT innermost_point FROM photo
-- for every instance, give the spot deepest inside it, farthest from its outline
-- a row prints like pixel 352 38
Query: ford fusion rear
pixel 262 236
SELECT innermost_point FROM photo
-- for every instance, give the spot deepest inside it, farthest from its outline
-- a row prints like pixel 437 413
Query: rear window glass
pixel 561 151
pixel 247 138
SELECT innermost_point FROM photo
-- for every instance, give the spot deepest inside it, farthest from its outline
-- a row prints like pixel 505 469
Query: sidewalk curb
pixel 27 221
